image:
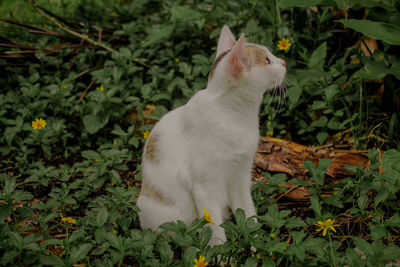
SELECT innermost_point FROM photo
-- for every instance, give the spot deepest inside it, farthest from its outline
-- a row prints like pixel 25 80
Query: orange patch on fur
pixel 152 192
pixel 151 148
pixel 258 54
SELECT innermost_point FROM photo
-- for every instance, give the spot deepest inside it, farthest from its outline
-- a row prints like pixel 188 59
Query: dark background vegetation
pixel 152 56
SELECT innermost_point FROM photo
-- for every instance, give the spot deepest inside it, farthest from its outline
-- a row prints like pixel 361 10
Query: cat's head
pixel 239 62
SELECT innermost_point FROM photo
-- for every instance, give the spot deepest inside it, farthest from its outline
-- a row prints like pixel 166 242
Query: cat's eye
pixel 267 60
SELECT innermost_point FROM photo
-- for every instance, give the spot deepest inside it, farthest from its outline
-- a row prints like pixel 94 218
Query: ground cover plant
pixel 82 83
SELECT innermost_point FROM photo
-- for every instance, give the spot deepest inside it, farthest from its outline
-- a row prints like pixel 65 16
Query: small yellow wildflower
pixel 177 60
pixel 146 134
pixel 63 86
pixel 207 216
pixel 67 219
pixel 101 88
pixel 284 44
pixel 270 133
pixel 200 262
pixel 114 142
pixel 38 124
pixel 326 225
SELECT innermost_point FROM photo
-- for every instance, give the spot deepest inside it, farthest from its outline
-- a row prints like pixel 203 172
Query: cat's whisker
pixel 281 88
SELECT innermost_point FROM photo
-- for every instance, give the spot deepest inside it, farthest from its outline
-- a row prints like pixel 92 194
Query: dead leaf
pixel 368 46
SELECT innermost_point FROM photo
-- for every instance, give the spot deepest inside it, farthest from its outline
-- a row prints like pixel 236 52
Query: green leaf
pixel 319 105
pixel 294 222
pixel 315 205
pixel 102 216
pixel 394 221
pixel 93 123
pixel 5 212
pixel 166 253
pixel 386 32
pixel 9 134
pixel 16 239
pixel 363 245
pixel 183 13
pixel 51 260
pixel 353 257
pixel 22 195
pixel 376 70
pixel 240 217
pixel 8 256
pixel 331 91
pixel 78 253
pixel 317 59
pixel 171 226
pixel 322 136
pixel 321 122
pixel 324 164
pixel 162 33
pixel 205 236
pixel 251 262
pixel 294 93
pixel 183 240
pixel 377 231
pixel 391 253
pixel 125 52
pixel 76 235
pixel 305 3
pixel 362 201
pixel 90 154
pixel 390 163
pixel 9 186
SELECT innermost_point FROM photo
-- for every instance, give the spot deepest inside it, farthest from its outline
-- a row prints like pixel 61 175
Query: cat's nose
pixel 284 63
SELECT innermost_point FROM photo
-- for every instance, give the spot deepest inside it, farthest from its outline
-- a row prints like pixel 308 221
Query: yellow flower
pixel 207 216
pixel 63 86
pixel 200 262
pixel 101 88
pixel 270 133
pixel 38 124
pixel 114 142
pixel 67 219
pixel 284 44
pixel 326 225
pixel 146 134
pixel 177 60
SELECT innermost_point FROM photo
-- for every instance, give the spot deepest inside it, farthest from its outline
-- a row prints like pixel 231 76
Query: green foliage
pixel 68 191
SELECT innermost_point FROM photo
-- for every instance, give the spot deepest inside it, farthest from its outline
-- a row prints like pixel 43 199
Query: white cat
pixel 200 155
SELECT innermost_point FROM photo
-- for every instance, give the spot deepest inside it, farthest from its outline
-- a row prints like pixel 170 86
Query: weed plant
pixel 75 116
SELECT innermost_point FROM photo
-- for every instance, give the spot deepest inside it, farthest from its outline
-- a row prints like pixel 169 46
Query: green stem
pixel 330 244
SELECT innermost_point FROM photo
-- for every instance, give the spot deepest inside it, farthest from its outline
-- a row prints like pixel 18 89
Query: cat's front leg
pixel 239 191
pixel 215 203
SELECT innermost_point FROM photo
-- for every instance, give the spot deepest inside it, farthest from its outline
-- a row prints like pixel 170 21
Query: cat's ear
pixel 226 40
pixel 236 61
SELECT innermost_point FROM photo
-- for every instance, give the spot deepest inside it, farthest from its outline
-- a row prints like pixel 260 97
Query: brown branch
pixel 85 92
pixel 81 36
